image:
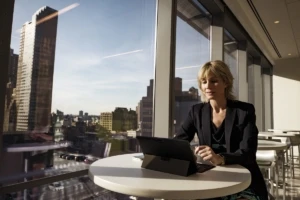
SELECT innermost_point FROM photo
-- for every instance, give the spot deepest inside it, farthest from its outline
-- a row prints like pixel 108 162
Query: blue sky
pixel 105 52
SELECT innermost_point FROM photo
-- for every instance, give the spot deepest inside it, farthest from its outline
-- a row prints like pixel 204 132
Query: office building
pixel 106 120
pixel 35 70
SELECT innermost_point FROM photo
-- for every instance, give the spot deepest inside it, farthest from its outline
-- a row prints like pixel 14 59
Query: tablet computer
pixel 168 149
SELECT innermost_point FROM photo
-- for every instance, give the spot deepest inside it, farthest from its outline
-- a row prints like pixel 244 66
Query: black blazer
pixel 240 136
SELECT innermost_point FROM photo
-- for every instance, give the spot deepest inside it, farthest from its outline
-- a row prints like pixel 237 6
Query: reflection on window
pixel 79 82
pixel 230 58
pixel 192 51
pixel 250 77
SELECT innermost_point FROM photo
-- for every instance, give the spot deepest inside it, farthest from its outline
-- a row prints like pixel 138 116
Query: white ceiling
pixel 285 34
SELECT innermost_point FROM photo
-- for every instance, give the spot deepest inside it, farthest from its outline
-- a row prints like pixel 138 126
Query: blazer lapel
pixel 205 123
pixel 229 122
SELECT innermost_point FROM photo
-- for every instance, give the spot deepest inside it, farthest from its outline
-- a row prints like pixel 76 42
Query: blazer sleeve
pixel 187 130
pixel 246 154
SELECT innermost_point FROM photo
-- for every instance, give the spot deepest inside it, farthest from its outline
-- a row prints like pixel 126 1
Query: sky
pixel 105 52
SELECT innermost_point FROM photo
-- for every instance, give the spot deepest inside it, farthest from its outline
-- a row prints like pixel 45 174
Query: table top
pixel 124 175
pixel 271 145
pixel 271 134
pixel 28 147
pixel 283 130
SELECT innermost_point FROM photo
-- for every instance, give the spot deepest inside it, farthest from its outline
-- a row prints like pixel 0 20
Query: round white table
pixel 271 145
pixel 283 130
pixel 124 175
pixel 270 134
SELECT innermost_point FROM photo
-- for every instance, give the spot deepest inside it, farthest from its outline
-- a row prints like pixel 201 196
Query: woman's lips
pixel 210 93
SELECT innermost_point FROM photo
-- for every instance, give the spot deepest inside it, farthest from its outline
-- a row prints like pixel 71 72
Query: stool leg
pixel 276 179
pixel 292 161
pixel 283 178
pixel 271 175
pixel 299 154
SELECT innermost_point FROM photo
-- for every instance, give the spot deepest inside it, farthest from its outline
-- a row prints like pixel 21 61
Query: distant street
pixel 75 188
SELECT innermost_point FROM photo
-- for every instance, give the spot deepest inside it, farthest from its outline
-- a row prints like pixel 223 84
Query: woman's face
pixel 213 87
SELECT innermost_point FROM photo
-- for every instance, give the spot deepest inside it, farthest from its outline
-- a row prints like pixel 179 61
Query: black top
pixel 218 144
pixel 240 137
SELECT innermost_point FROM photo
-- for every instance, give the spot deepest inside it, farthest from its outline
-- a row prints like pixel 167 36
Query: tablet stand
pixel 168 165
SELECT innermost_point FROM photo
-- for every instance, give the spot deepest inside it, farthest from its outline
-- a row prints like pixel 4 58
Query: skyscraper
pixel 13 68
pixel 10 100
pixel 80 113
pixel 35 70
pixel 183 101
pixel 145 109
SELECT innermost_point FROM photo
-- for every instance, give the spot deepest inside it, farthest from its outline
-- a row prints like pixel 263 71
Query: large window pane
pixel 81 72
pixel 230 58
pixel 250 76
pixel 192 51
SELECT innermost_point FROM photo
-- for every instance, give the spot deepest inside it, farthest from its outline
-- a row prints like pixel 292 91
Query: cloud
pixel 74 92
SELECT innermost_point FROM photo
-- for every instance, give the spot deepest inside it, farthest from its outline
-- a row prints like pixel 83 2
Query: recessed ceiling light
pixel 276 22
pixel 289 54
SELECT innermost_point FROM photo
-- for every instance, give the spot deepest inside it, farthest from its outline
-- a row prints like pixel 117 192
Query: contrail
pixel 187 67
pixel 121 54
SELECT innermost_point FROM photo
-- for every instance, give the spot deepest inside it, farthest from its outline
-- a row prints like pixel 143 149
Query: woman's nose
pixel 208 85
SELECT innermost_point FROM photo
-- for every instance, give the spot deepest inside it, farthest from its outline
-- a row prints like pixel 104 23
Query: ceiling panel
pixel 296 27
pixel 283 33
pixel 271 10
pixel 294 10
pixel 298 44
pixel 291 1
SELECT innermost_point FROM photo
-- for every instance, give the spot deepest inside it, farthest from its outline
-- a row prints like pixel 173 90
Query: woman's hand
pixel 206 153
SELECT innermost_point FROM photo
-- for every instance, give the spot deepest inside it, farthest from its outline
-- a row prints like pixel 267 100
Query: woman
pixel 225 127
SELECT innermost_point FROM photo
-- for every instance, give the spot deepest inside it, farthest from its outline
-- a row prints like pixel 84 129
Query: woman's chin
pixel 210 97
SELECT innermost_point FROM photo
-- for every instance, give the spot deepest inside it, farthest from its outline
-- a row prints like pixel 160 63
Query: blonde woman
pixel 225 127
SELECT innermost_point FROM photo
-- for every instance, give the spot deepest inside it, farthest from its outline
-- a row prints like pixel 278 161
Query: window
pixel 192 51
pixel 77 68
pixel 250 79
pixel 230 58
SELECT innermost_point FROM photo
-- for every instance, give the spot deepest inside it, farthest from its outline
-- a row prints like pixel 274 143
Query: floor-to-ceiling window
pixel 230 58
pixel 82 72
pixel 192 51
pixel 250 79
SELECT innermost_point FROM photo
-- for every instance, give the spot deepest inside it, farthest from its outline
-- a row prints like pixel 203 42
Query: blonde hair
pixel 221 70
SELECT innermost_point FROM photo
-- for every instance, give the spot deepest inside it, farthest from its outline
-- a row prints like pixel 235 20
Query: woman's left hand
pixel 207 153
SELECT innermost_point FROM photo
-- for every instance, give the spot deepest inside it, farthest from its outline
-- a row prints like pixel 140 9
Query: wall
pixel 286 94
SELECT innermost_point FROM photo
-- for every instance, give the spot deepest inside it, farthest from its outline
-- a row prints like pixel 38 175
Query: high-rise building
pixel 13 68
pixel 86 116
pixel 183 101
pixel 10 97
pixel 35 70
pixel 145 109
pixel 106 119
pixel 138 113
pixel 81 113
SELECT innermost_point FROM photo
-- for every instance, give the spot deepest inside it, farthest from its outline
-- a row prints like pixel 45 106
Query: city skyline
pixel 112 70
